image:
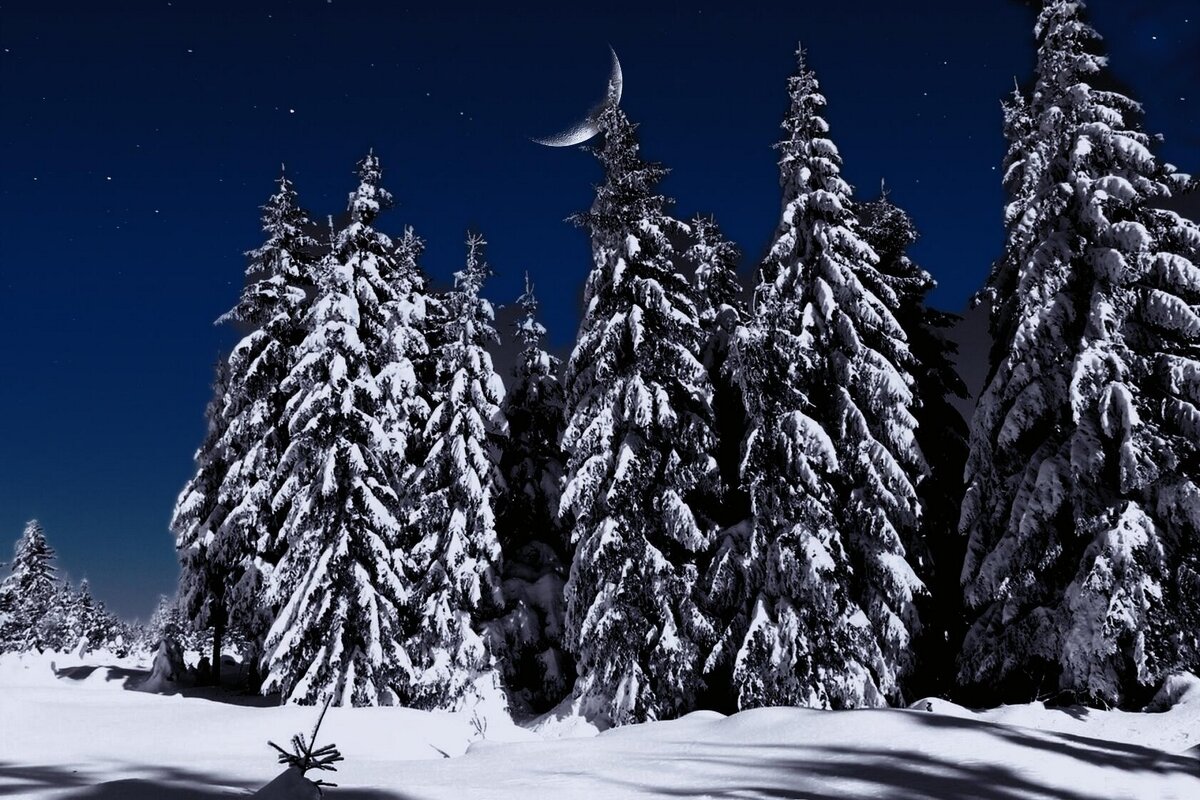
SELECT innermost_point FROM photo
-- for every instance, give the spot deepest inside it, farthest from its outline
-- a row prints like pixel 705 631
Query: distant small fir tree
pixel 169 622
pixel 32 601
pixel 91 626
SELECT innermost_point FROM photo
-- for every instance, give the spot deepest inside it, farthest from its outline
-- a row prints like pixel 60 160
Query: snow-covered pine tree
pixel 821 594
pixel 639 446
pixel 8 607
pixel 393 319
pixel 1082 507
pixel 721 306
pixel 433 330
pixel 343 582
pixel 165 637
pixel 169 622
pixel 406 375
pixel 224 522
pixel 456 549
pixel 538 672
pixel 1022 165
pixel 90 625
pixel 54 630
pixel 198 514
pixel 937 554
pixel 32 596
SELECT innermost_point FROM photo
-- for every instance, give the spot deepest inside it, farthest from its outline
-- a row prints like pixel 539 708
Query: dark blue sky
pixel 138 140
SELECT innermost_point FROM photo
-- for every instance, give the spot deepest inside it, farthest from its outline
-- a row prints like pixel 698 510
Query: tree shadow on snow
pixel 85 671
pixel 162 784
pixel 133 678
pixel 829 773
pixel 1097 752
pixel 168 784
pixel 786 772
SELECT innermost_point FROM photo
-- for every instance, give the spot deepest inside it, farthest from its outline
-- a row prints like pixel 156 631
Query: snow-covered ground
pixel 70 729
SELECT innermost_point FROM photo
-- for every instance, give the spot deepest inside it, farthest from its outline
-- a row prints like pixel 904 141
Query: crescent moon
pixel 582 131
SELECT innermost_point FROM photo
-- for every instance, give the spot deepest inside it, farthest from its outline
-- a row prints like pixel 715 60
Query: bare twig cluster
pixel 306 756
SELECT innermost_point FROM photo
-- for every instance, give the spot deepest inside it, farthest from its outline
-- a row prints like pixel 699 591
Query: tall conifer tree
pixel 456 548
pixel 539 672
pixel 224 521
pixel 937 552
pixel 1082 506
pixel 343 583
pixel 821 596
pixel 639 444
pixel 721 306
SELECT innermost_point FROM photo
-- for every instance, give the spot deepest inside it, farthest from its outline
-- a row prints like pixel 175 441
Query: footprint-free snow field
pixel 73 728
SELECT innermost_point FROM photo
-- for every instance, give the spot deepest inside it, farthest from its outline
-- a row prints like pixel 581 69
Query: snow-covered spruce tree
pixel 54 630
pixel 198 514
pixel 8 607
pixel 89 623
pixel 937 554
pixel 639 444
pixel 721 306
pixel 821 595
pixel 224 522
pixel 393 318
pixel 538 672
pixel 31 596
pixel 457 551
pixel 1082 507
pixel 166 636
pixel 406 375
pixel 168 622
pixel 343 582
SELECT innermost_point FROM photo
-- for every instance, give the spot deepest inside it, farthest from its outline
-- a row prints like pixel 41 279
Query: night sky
pixel 137 141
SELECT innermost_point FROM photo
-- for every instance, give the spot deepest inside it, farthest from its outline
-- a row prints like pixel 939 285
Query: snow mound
pixel 1182 689
pixel 937 705
pixel 166 670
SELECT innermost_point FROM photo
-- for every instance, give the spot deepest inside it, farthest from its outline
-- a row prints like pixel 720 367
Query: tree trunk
pixel 254 676
pixel 218 635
